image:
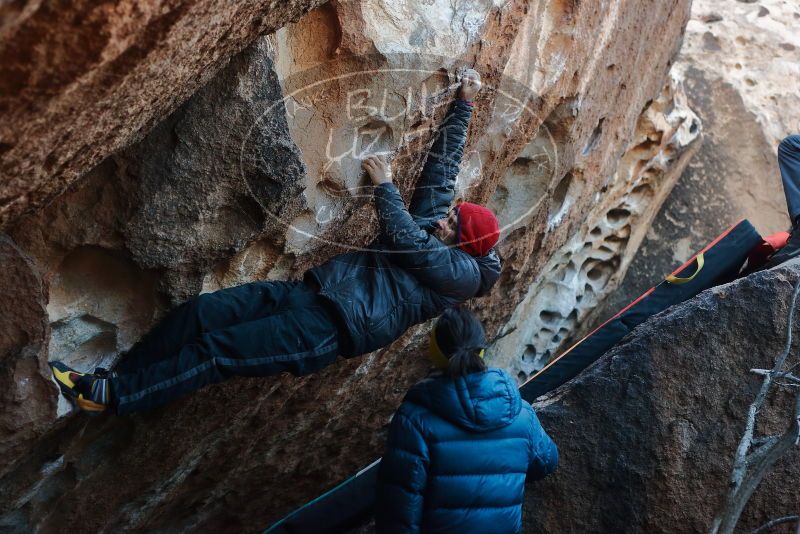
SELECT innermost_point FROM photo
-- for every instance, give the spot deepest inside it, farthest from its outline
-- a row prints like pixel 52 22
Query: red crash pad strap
pixel 768 246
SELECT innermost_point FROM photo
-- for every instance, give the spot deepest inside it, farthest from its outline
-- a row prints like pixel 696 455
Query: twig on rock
pixel 775 522
pixel 755 455
pixel 781 374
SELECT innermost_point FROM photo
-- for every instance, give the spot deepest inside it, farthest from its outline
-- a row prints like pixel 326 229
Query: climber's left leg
pixel 207 312
pixel 301 338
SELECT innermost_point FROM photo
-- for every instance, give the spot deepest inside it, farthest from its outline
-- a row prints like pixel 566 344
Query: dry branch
pixel 755 455
pixel 775 522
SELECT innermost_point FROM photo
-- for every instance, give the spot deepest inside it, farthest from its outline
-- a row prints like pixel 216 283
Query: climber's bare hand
pixel 470 85
pixel 377 169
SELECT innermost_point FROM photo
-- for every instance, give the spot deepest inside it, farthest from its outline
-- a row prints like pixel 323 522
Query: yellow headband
pixel 436 355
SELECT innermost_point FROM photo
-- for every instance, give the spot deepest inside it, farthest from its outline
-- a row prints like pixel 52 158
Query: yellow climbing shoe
pixel 89 392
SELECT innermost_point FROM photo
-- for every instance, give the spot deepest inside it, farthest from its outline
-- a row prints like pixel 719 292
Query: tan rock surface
pixel 740 63
pixel 754 47
pixel 752 54
pixel 593 262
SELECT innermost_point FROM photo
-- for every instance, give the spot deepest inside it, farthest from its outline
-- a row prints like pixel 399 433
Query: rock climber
pixel 462 444
pixel 425 259
pixel 788 245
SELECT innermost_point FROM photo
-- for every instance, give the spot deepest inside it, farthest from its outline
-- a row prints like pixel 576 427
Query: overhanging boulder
pixel 647 435
pixel 81 79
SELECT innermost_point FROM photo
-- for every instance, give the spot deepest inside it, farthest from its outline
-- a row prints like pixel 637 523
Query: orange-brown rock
pixel 81 79
pixel 28 402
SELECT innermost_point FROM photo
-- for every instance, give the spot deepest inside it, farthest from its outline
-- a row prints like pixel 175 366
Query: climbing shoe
pixel 88 391
pixel 790 251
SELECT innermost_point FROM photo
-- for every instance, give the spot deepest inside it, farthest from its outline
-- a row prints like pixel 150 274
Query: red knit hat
pixel 478 230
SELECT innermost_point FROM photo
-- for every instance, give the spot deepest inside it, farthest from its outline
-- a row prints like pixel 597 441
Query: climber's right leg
pixel 302 337
pixel 204 313
pixel 789 164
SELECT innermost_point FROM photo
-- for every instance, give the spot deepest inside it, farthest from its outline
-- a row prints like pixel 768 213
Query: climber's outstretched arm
pixel 436 186
pixel 419 252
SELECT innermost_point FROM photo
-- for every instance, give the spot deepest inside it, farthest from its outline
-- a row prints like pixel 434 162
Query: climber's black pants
pixel 256 329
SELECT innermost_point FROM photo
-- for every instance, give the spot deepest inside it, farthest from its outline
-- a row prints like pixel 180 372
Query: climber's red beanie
pixel 478 230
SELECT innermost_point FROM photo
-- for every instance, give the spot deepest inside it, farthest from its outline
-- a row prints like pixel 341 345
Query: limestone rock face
pixel 593 262
pixel 24 329
pixel 227 165
pixel 80 79
pixel 755 48
pixel 576 139
pixel 647 435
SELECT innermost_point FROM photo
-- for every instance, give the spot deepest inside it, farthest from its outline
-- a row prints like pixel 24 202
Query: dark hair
pixel 461 338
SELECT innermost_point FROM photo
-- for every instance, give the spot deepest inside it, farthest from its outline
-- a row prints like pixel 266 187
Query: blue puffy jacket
pixel 457 457
pixel 407 275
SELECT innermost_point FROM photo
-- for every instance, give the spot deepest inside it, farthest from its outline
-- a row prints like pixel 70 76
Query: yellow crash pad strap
pixel 672 279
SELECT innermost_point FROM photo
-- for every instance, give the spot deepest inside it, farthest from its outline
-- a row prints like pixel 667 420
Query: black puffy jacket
pixel 407 275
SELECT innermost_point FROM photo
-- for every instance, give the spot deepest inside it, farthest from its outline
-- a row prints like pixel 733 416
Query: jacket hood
pixel 480 402
pixel 489 267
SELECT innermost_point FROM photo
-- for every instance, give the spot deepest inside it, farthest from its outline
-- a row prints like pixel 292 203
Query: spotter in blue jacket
pixel 458 455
